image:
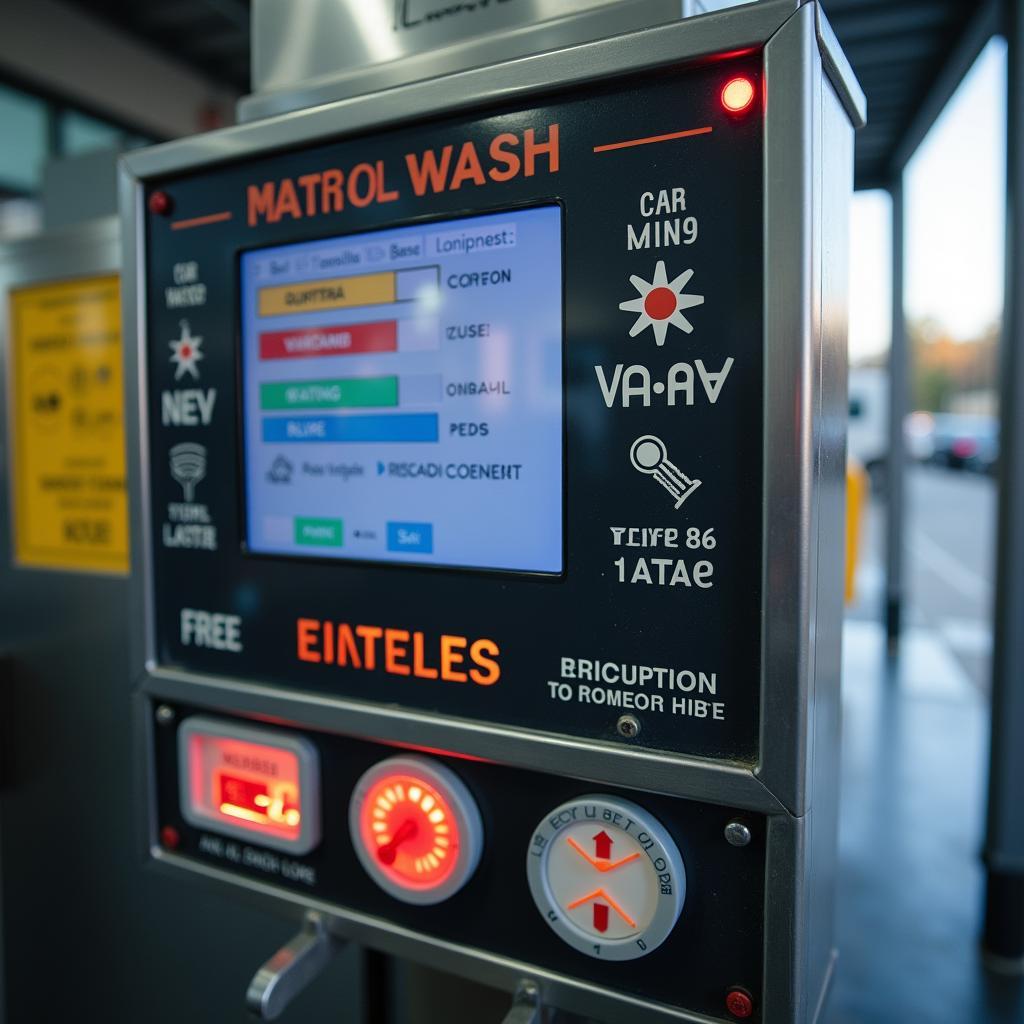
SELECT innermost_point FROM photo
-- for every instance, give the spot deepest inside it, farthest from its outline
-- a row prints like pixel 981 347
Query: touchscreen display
pixel 403 394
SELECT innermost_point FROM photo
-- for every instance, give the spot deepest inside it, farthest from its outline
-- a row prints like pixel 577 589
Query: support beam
pixel 68 54
pixel 895 475
pixel 983 24
pixel 1003 940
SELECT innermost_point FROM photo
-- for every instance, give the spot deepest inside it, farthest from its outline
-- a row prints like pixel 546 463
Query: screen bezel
pixel 243 495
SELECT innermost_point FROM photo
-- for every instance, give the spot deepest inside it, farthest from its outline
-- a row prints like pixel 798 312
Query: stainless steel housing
pixel 813 103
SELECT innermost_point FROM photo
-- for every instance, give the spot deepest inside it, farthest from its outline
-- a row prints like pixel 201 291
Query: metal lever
pixel 290 969
pixel 526 1005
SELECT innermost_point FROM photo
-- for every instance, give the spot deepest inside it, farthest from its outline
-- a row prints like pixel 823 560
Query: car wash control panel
pixel 463 419
pixel 641 893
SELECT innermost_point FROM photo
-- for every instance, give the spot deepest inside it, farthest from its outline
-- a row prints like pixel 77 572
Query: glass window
pixel 24 139
pixel 82 134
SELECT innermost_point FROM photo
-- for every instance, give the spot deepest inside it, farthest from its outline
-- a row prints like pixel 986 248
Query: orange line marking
pixel 653 138
pixel 583 853
pixel 613 864
pixel 601 865
pixel 585 899
pixel 198 222
pixel 602 895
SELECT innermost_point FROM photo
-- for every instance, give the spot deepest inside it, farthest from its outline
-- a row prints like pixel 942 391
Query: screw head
pixel 628 726
pixel 164 714
pixel 737 834
pixel 527 991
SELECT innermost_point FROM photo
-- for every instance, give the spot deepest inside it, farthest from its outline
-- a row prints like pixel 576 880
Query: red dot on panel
pixel 739 1003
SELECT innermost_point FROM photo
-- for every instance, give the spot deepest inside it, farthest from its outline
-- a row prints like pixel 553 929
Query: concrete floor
pixel 914 769
pixel 949 563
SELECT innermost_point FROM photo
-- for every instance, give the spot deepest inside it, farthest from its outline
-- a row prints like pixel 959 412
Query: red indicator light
pixel 250 782
pixel 739 1003
pixel 160 204
pixel 737 95
pixel 415 828
pixel 169 837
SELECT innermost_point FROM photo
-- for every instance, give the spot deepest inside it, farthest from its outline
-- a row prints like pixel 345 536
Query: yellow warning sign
pixel 67 424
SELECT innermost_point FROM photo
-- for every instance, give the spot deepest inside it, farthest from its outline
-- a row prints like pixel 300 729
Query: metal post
pixel 896 463
pixel 1003 939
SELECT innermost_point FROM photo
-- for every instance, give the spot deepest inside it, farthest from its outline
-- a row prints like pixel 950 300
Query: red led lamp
pixel 737 95
pixel 416 829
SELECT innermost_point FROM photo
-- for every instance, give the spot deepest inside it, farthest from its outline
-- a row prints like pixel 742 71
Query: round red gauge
pixel 415 828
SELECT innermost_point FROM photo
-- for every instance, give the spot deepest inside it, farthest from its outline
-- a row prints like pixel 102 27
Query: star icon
pixel 185 353
pixel 661 303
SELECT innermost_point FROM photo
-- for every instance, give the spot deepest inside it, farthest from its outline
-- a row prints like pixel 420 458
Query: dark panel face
pixel 715 945
pixel 633 520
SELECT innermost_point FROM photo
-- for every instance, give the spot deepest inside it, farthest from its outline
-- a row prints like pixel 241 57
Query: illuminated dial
pixel 607 877
pixel 415 828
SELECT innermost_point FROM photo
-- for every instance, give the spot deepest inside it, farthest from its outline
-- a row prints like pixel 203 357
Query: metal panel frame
pixel 799 52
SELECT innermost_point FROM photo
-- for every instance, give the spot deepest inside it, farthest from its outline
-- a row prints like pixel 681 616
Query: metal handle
pixel 290 969
pixel 526 1005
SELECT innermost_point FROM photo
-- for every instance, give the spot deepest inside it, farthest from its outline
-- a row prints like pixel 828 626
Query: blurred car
pixel 868 438
pixel 966 442
pixel 919 436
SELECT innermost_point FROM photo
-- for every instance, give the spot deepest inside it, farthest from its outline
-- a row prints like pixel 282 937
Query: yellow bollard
pixel 857 487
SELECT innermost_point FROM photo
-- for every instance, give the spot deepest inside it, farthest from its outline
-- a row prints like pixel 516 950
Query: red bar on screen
pixel 307 342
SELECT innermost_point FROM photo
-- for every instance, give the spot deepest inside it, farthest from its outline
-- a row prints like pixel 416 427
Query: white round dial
pixel 607 877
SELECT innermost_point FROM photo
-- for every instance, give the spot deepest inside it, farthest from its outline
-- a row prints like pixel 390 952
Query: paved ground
pixel 914 769
pixel 950 563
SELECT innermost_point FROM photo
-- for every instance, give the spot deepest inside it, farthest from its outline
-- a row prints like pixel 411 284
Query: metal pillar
pixel 1003 939
pixel 896 463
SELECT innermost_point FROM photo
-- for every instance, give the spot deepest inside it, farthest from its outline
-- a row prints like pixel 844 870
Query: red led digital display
pixel 258 802
pixel 247 786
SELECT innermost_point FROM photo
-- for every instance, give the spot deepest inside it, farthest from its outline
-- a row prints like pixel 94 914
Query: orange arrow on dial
pixel 601 865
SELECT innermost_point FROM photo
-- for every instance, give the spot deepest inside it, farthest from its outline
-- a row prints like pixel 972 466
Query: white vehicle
pixel 869 419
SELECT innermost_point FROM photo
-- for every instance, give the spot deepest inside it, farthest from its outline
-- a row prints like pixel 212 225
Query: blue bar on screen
pixel 372 428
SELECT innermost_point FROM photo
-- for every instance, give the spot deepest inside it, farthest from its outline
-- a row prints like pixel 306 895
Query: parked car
pixel 868 442
pixel 966 442
pixel 868 439
pixel 919 436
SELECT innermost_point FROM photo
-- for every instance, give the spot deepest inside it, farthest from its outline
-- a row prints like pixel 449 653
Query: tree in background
pixel 945 369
